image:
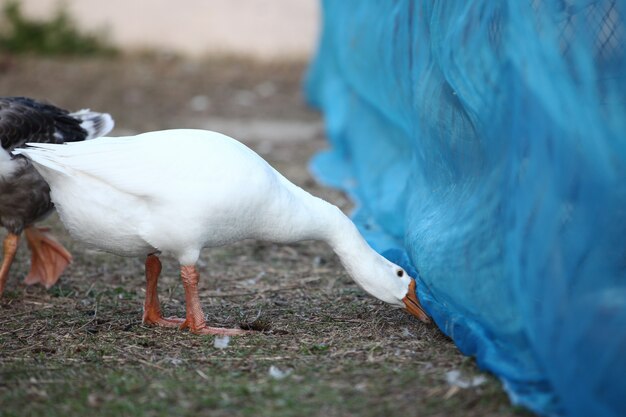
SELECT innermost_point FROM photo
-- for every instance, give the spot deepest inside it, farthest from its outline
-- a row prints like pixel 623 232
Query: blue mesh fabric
pixel 485 144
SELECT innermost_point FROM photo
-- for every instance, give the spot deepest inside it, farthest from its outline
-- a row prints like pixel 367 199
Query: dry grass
pixel 80 348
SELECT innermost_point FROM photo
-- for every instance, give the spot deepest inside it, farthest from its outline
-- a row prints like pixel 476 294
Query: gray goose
pixel 24 195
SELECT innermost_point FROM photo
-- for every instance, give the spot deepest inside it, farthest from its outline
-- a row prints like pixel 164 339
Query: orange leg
pixel 152 307
pixel 49 258
pixel 195 317
pixel 9 249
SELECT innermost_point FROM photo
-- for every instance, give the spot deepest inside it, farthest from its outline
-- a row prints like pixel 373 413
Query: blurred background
pixel 264 29
pixel 234 66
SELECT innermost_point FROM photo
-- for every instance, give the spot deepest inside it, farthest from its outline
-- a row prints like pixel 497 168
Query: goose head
pixel 390 283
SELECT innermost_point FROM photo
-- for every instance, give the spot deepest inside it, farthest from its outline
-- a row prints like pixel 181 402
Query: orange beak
pixel 413 305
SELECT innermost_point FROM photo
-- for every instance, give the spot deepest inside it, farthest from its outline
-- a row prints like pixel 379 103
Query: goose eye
pixel 400 273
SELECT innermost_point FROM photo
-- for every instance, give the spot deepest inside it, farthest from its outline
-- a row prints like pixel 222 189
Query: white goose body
pixel 175 192
pixel 178 191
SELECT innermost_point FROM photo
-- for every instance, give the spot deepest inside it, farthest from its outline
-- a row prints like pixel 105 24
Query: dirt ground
pixel 327 348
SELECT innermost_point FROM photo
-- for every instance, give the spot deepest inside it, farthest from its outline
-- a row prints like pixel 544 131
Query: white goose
pixel 178 191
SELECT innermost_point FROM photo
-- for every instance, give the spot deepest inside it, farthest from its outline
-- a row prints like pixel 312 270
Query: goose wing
pixel 25 120
pixel 149 165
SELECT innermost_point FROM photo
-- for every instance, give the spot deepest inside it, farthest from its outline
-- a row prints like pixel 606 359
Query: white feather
pixel 96 124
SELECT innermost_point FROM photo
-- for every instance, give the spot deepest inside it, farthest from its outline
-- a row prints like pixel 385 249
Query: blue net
pixel 485 145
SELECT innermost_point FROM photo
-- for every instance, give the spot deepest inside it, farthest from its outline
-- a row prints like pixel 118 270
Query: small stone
pixel 200 103
pixel 277 373
pixel 221 342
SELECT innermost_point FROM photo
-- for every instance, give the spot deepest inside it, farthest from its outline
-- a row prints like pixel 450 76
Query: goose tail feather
pixel 42 155
pixel 96 124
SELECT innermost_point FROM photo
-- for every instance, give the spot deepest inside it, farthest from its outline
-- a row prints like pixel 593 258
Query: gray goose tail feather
pixel 96 124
